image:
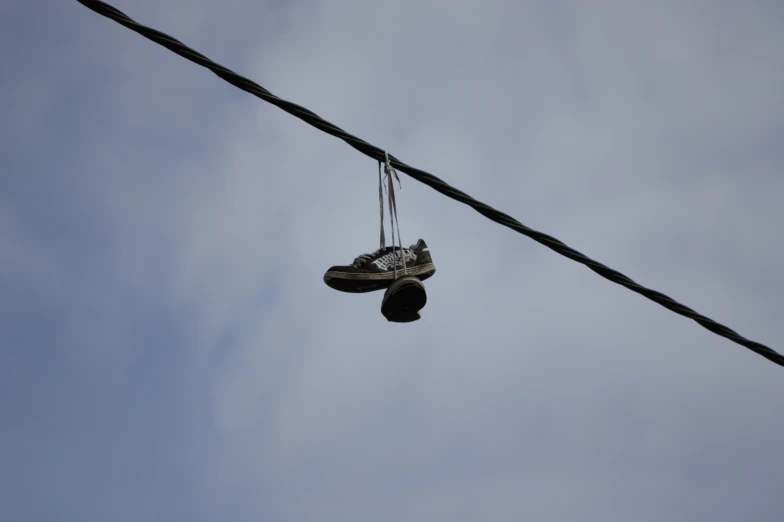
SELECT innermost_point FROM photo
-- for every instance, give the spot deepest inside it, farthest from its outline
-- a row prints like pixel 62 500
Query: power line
pixel 428 179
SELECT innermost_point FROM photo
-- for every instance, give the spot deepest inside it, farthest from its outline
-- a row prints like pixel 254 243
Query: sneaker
pixel 376 271
pixel 403 300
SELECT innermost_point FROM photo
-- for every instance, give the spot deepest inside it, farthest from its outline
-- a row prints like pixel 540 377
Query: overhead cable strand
pixel 428 179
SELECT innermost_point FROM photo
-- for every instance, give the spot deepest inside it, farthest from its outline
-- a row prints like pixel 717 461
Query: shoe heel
pixel 403 300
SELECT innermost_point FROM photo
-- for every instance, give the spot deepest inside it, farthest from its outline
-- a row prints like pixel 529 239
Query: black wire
pixel 374 152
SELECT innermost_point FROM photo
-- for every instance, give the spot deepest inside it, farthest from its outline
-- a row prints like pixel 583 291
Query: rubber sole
pixel 369 282
pixel 403 300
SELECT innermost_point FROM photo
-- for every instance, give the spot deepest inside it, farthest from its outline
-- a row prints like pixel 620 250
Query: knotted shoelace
pixel 389 172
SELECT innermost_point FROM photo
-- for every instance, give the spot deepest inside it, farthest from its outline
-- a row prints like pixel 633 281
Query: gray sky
pixel 168 350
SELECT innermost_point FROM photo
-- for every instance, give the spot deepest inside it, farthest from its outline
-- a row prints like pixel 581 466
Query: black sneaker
pixel 403 300
pixel 376 271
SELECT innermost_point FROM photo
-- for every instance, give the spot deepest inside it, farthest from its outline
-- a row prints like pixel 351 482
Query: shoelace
pixel 366 257
pixel 393 220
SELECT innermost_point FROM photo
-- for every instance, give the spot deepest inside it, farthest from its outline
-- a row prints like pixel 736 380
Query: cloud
pixel 164 237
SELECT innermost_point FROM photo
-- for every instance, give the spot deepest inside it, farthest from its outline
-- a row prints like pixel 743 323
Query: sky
pixel 169 351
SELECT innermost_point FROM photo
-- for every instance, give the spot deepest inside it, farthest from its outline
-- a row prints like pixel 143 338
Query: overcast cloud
pixel 168 350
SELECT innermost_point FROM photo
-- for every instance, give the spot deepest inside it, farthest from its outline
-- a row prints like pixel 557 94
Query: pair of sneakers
pixel 383 269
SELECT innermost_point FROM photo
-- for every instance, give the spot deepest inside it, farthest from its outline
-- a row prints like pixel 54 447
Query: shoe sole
pixel 403 300
pixel 348 282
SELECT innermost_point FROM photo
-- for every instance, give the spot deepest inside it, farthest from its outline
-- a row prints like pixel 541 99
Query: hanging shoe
pixel 376 271
pixel 403 300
